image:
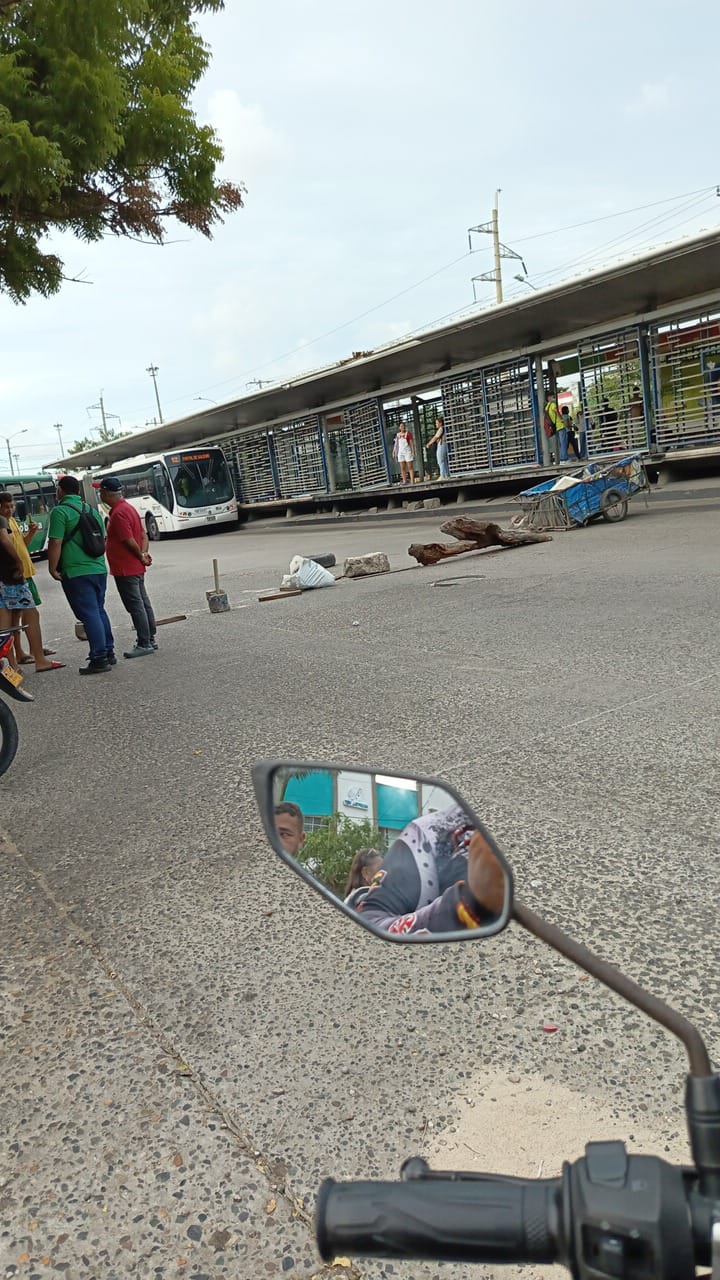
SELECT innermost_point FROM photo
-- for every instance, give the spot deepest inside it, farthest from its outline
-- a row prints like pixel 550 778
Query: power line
pixel 538 235
pixel 600 250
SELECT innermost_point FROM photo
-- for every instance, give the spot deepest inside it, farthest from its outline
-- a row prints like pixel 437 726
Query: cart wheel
pixel 613 505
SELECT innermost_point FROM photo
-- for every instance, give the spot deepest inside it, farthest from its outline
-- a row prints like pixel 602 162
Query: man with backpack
pixel 76 559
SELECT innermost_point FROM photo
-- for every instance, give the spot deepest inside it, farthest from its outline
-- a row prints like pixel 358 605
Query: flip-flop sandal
pixel 49 653
pixel 54 666
pixel 25 662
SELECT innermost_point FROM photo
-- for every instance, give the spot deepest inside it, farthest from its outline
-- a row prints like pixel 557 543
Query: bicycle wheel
pixel 8 737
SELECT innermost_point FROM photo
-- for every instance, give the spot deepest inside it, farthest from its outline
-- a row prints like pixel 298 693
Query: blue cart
pixel 600 489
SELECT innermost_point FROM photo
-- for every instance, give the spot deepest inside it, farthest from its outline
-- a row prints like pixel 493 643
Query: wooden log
pixel 434 552
pixel 485 534
pixel 472 535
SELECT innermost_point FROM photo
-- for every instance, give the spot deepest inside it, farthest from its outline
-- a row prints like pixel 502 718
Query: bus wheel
pixel 153 531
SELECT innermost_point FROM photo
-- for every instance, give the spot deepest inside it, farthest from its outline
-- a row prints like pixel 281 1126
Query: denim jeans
pixel 442 457
pixel 564 441
pixel 135 598
pixel 86 597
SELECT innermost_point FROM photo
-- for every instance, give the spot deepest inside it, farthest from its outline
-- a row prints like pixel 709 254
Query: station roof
pixel 668 278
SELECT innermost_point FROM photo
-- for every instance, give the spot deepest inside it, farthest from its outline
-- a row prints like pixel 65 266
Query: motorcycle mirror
pixel 405 857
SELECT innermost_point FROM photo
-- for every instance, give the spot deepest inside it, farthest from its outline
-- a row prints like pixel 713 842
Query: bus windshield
pixel 200 478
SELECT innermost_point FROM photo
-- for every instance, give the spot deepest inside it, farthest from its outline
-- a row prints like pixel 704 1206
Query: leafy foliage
pixel 329 852
pixel 103 435
pixel 97 130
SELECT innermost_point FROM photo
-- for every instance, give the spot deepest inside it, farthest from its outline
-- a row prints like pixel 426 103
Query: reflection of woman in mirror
pixel 439 876
pixel 365 866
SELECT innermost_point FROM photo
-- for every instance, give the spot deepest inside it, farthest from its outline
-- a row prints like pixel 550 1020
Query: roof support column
pixel 328 456
pixel 417 429
pixel 545 444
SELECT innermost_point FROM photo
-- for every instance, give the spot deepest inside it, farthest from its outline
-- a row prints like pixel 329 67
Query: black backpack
pixel 89 534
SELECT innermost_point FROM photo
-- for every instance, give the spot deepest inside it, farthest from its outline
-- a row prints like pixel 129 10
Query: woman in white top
pixel 404 451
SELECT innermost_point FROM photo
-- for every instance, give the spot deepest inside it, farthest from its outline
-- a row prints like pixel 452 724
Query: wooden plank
pixel 280 595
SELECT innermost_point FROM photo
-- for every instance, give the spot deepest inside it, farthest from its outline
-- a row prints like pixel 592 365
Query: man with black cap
pixel 128 558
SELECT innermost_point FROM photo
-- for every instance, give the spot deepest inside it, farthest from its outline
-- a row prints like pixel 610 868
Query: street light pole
pixel 154 371
pixel 7 440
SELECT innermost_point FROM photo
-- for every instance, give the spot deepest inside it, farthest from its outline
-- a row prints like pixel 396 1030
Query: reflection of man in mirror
pixel 290 826
pixel 439 876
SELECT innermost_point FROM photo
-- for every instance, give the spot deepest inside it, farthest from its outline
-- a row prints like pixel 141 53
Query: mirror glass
pixel 404 855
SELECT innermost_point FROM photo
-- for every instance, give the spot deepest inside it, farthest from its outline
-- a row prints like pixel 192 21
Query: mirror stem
pixel 612 977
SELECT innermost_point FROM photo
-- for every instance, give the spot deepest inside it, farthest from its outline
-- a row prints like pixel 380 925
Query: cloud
pixel 651 97
pixel 252 146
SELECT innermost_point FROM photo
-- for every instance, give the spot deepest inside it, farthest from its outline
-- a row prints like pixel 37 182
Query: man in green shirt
pixel 83 577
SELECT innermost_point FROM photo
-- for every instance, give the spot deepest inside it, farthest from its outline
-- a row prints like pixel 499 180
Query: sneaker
pixel 94 668
pixel 154 643
pixel 139 651
pixel 111 658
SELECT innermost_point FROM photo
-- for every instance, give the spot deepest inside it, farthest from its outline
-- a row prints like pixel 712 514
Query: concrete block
pixel 363 566
pixel 432 504
pixel 217 601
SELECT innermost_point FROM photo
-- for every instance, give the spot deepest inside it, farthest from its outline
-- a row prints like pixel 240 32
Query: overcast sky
pixel 370 136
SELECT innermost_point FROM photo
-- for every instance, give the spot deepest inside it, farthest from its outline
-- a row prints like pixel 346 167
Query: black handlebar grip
pixel 483 1219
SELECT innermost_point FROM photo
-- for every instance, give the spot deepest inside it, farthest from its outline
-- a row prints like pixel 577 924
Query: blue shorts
pixel 16 595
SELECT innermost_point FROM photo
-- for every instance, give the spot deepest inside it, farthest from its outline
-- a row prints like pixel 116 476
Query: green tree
pixel 103 435
pixel 97 131
pixel 328 853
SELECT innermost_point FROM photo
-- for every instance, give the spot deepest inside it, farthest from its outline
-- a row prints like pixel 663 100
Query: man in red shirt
pixel 127 555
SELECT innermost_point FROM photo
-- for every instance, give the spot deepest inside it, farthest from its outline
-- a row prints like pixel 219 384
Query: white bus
pixel 176 491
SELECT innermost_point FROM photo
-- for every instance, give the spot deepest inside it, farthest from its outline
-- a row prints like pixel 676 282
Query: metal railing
pixel 685 366
pixel 614 409
pixel 365 445
pixel 300 458
pixel 252 463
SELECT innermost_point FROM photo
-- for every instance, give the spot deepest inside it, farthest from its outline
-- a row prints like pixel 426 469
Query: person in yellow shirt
pixel 560 424
pixel 38 653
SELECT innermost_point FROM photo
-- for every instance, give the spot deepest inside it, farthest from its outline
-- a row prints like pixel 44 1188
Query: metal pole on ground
pixel 217 599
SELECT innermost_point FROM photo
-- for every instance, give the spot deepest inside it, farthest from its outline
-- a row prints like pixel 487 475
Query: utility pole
pixel 259 382
pixel 496 248
pixel 58 428
pixel 104 415
pixel 500 251
pixel 153 370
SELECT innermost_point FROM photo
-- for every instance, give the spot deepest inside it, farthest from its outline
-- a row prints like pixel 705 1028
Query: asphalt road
pixel 191 1040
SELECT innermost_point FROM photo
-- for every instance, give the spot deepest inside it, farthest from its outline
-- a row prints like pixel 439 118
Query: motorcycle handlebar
pixel 480 1219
